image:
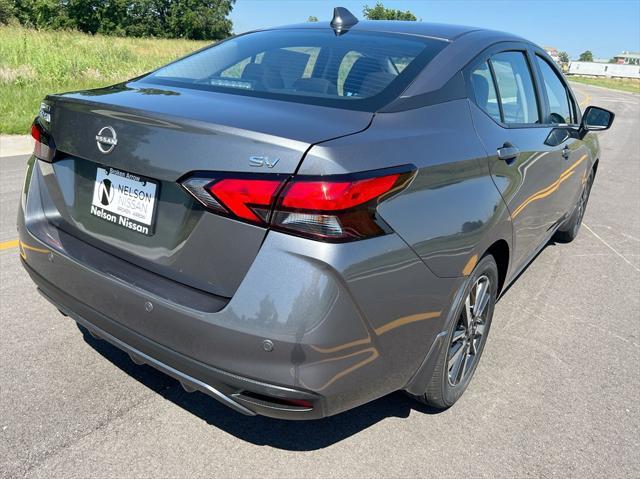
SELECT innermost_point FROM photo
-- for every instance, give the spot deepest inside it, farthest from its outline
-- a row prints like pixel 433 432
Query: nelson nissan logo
pixel 106 192
pixel 106 139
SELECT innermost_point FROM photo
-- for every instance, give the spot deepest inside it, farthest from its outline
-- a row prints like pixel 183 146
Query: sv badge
pixel 260 161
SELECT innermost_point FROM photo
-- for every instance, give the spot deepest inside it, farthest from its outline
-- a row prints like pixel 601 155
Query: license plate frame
pixel 125 199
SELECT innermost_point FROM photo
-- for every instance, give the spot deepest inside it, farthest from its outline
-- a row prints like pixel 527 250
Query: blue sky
pixel 605 27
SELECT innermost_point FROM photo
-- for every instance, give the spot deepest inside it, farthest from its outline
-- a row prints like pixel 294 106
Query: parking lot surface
pixel 556 393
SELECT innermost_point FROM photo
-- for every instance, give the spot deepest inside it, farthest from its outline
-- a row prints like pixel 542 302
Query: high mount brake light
pixel 44 148
pixel 331 208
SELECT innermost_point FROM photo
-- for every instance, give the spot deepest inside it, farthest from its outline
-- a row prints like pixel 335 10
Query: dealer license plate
pixel 124 199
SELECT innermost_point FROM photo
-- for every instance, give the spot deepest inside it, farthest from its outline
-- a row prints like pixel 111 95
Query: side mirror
pixel 596 119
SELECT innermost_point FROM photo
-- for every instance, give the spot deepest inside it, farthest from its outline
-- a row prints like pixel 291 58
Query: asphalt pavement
pixel 557 392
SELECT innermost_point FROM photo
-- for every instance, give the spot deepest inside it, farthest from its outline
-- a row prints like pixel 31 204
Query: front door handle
pixel 566 153
pixel 508 152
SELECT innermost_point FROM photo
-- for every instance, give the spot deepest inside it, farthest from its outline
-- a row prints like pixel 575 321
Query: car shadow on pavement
pixel 259 430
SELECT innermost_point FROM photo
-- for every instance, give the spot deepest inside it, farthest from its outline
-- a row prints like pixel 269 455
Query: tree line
pixel 193 19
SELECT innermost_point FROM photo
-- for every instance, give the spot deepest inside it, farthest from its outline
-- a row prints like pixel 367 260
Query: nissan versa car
pixel 299 220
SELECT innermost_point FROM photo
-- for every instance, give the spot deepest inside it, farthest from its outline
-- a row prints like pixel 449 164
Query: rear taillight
pixel 248 198
pixel 335 209
pixel 44 147
pixel 330 208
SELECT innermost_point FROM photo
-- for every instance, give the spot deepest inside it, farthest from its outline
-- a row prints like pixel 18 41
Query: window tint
pixel 485 91
pixel 559 105
pixel 517 95
pixel 308 65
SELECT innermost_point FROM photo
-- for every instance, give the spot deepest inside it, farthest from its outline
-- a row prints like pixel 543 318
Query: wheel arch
pixel 501 254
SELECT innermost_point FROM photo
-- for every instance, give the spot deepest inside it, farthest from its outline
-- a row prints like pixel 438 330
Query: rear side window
pixel 515 88
pixel 359 70
pixel 559 99
pixel 485 91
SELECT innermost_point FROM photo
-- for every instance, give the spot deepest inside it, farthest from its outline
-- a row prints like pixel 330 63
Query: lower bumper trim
pixel 141 357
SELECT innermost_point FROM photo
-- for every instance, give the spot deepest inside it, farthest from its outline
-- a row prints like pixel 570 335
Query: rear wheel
pixel 568 231
pixel 467 336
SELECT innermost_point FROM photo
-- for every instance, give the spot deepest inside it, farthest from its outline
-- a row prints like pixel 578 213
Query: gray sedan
pixel 299 220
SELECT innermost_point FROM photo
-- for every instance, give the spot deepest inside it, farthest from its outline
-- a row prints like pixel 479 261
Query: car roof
pixel 441 31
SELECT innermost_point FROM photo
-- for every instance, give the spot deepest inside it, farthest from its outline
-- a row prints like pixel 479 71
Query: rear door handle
pixel 566 153
pixel 508 152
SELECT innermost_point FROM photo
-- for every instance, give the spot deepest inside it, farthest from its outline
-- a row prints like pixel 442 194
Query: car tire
pixel 569 230
pixel 464 342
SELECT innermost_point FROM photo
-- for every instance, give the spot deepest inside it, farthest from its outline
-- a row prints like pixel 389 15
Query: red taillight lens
pixel 335 195
pixel 249 199
pixel 332 208
pixel 44 148
pixel 35 132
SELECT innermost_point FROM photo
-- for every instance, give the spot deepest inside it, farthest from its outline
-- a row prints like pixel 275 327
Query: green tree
pixel 200 19
pixel 379 12
pixel 586 56
pixel 42 13
pixel 115 17
pixel 564 57
pixel 142 18
pixel 193 19
pixel 85 15
pixel 6 11
pixel 312 19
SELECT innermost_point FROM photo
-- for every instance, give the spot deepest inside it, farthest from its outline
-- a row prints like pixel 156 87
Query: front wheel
pixel 467 336
pixel 568 231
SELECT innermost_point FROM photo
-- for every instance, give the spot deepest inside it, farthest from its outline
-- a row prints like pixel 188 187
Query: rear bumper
pixel 225 387
pixel 347 322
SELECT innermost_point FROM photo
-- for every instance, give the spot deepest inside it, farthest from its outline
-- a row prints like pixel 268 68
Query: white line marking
pixel 612 248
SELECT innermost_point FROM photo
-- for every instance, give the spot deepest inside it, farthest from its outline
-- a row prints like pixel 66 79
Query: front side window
pixel 359 70
pixel 515 87
pixel 559 99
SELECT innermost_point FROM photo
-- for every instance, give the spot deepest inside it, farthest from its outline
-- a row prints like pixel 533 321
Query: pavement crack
pixel 624 258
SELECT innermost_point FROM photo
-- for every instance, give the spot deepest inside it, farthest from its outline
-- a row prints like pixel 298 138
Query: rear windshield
pixel 357 70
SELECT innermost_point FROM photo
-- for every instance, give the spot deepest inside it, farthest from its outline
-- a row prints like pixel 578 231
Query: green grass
pixel 624 84
pixel 34 63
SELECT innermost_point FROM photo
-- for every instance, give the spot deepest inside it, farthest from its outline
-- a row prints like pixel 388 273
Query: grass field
pixel 624 84
pixel 35 63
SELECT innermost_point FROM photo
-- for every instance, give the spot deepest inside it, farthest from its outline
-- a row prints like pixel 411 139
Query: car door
pixel 562 115
pixel 509 119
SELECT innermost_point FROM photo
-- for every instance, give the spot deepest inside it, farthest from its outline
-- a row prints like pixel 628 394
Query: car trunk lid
pixel 160 135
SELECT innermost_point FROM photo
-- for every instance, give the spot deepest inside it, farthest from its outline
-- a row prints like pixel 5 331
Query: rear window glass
pixel 359 70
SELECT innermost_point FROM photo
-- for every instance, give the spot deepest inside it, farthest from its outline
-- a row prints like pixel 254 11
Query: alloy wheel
pixel 582 203
pixel 467 338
